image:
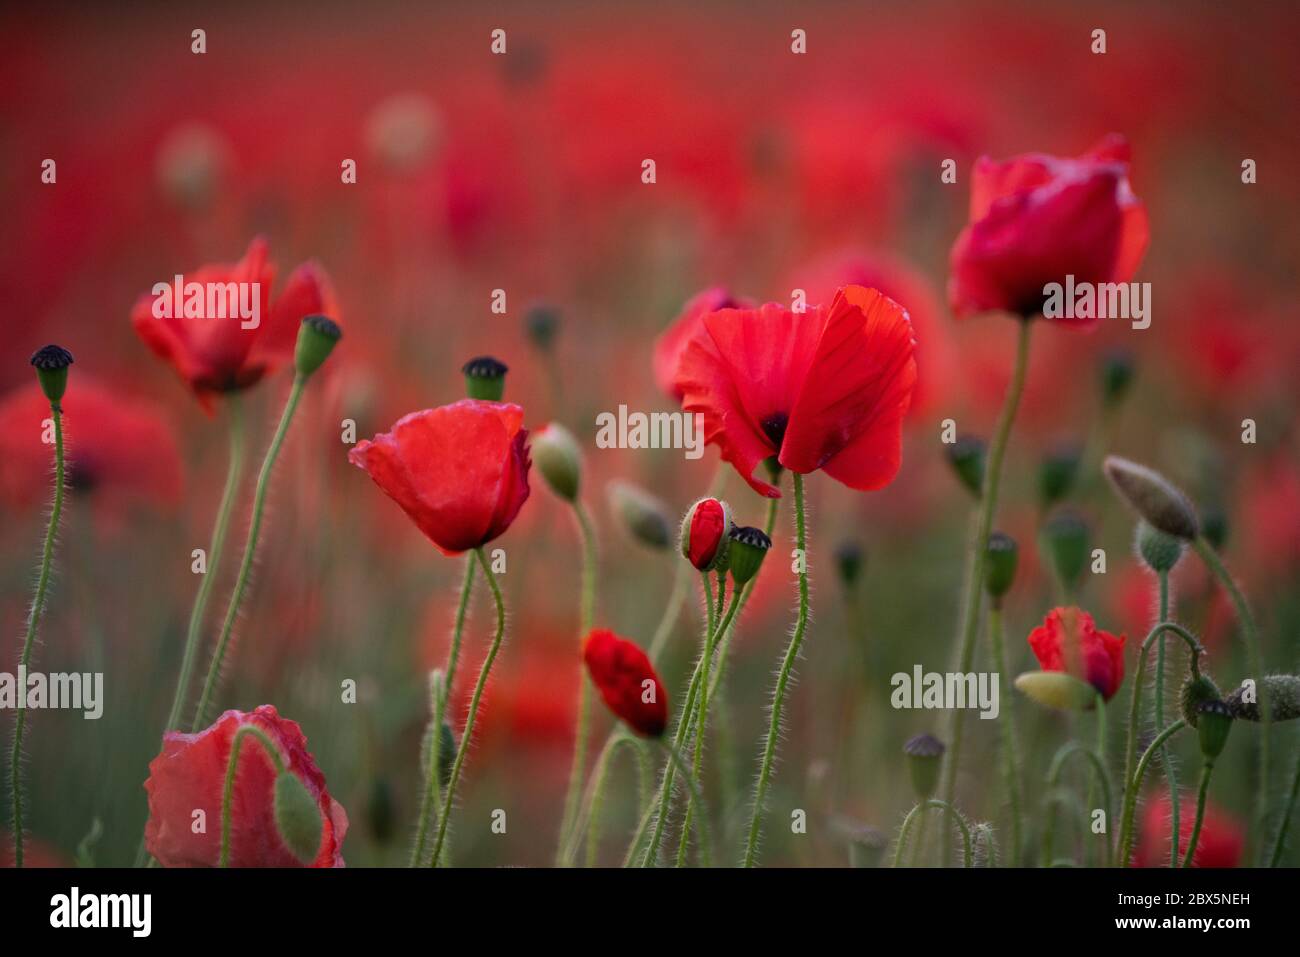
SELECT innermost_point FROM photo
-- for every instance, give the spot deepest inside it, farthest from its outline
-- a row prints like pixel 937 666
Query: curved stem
pixel 33 622
pixel 228 792
pixel 1134 786
pixel 974 586
pixel 1054 771
pixel 672 611
pixel 250 551
pixel 783 677
pixel 588 818
pixel 1206 771
pixel 921 808
pixel 675 758
pixel 586 615
pixel 1010 746
pixel 1171 773
pixel 431 795
pixel 724 640
pixel 467 735
pixel 1280 841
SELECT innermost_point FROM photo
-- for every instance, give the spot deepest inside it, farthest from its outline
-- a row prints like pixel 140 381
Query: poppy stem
pixel 1132 788
pixel 920 809
pixel 672 611
pixel 1171 773
pixel 250 550
pixel 431 794
pixel 783 678
pixel 1097 760
pixel 33 621
pixel 1010 743
pixel 588 819
pixel 468 734
pixel 1206 771
pixel 586 616
pixel 227 795
pixel 974 586
pixel 1250 633
pixel 1280 841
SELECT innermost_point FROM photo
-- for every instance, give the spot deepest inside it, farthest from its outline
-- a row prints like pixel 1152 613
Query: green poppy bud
pixel 51 364
pixel 297 817
pixel 485 378
pixel 1282 693
pixel 966 456
pixel 644 516
pixel 1158 551
pixel 317 337
pixel 542 322
pixel 1057 472
pixel 1117 372
pixel 1153 497
pixel 1065 538
pixel 1213 728
pixel 1196 691
pixel 1214 525
pixel 746 552
pixel 1056 689
pixel 558 458
pixel 1000 565
pixel 924 759
pixel 849 559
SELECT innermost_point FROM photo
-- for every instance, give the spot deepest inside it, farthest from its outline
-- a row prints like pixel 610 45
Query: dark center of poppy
pixel 774 428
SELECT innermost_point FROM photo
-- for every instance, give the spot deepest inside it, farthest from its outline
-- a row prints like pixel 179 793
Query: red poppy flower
pixel 189 775
pixel 459 471
pixel 672 342
pixel 823 389
pixel 1034 219
pixel 1068 640
pixel 216 355
pixel 1221 842
pixel 627 681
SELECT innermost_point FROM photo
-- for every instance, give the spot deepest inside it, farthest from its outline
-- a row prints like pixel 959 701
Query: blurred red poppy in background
pixel 1220 844
pixel 627 681
pixel 672 342
pixel 1068 640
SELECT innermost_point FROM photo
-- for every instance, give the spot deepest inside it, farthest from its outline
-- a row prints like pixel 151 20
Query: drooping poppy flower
pixel 627 681
pixel 1036 219
pixel 1220 844
pixel 118 451
pixel 219 353
pixel 1068 640
pixel 189 775
pixel 672 342
pixel 459 471
pixel 823 389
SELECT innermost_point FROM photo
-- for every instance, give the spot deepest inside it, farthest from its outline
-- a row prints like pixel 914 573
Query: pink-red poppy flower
pixel 1068 640
pixel 1221 842
pixel 189 776
pixel 823 389
pixel 672 342
pixel 215 354
pixel 460 471
pixel 627 681
pixel 1036 219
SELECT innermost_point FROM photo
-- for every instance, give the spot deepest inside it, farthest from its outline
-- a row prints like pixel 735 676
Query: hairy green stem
pixel 1010 744
pixel 1166 762
pixel 586 616
pixel 663 631
pixel 1135 785
pixel 1206 770
pixel 1098 764
pixel 1279 843
pixel 232 764
pixel 920 809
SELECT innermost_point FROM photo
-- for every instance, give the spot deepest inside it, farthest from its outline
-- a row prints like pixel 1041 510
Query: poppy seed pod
pixel 705 530
pixel 1213 728
pixel 558 458
pixel 1153 497
pixel 317 337
pixel 644 516
pixel 966 456
pixel 542 322
pixel 485 378
pixel 1065 538
pixel 1282 692
pixel 1000 565
pixel 748 548
pixel 1196 691
pixel 1057 472
pixel 924 758
pixel 1056 689
pixel 51 364
pixel 1158 551
pixel 297 817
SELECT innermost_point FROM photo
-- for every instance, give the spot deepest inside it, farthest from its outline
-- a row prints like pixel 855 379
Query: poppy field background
pixel 522 172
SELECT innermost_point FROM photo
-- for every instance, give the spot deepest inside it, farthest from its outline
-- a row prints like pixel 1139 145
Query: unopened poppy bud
pixel 1158 551
pixel 1153 497
pixel 1196 691
pixel 1057 472
pixel 542 322
pixel 1056 689
pixel 705 530
pixel 297 817
pixel 558 458
pixel 317 337
pixel 485 378
pixel 643 515
pixel 1214 525
pixel 849 559
pixel 1282 693
pixel 1117 372
pixel 1065 538
pixel 1213 728
pixel 1000 565
pixel 748 548
pixel 924 758
pixel 51 363
pixel 966 456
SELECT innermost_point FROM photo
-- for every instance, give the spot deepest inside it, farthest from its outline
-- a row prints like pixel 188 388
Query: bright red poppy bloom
pixel 216 355
pixel 1220 844
pixel 1034 219
pixel 823 389
pixel 1068 640
pixel 460 471
pixel 190 773
pixel 627 681
pixel 672 342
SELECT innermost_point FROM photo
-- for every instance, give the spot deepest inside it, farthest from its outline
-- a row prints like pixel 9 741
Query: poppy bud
pixel 924 757
pixel 748 548
pixel 866 845
pixel 297 817
pixel 542 322
pixel 317 337
pixel 1153 497
pixel 1214 525
pixel 966 456
pixel 705 530
pixel 1057 472
pixel 1117 372
pixel 1065 538
pixel 485 378
pixel 1213 728
pixel 558 458
pixel 1057 689
pixel 627 681
pixel 1000 565
pixel 849 559
pixel 643 515
pixel 1197 690
pixel 1160 552
pixel 51 363
pixel 1283 693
